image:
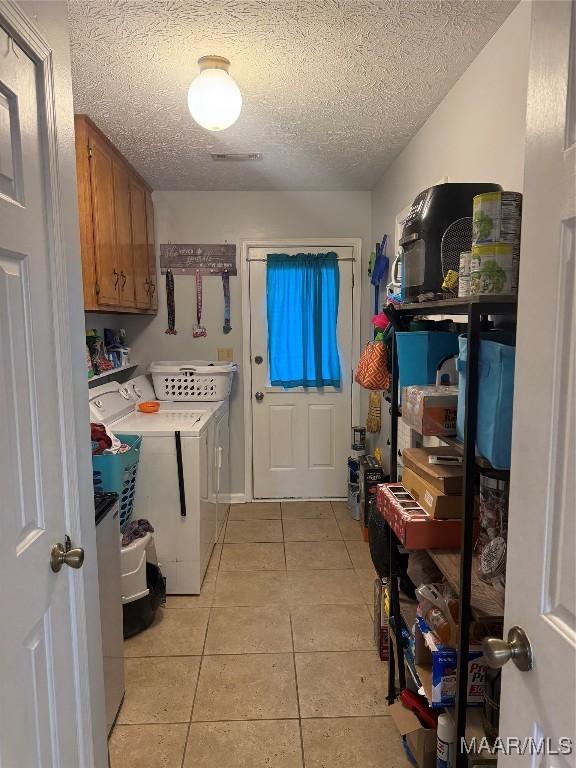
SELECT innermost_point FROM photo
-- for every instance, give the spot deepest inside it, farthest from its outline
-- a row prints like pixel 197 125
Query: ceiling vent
pixel 234 157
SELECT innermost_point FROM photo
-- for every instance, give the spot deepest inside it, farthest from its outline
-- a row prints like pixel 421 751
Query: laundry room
pixel 287 355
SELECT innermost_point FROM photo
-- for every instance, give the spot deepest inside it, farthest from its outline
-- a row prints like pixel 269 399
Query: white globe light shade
pixel 214 99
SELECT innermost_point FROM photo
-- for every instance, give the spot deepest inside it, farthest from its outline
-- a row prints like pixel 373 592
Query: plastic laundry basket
pixel 193 381
pixel 116 473
pixel 420 353
pixel 495 397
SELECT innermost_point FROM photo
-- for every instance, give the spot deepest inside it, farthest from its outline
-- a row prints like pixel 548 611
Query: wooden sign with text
pixel 187 259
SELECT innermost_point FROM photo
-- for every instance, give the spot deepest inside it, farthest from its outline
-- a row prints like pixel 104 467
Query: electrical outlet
pixel 226 354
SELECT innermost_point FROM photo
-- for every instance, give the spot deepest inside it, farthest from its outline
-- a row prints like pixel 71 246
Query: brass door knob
pixel 60 556
pixel 517 647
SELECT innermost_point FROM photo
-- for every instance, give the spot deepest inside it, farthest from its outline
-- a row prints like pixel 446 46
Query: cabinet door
pixel 152 276
pixel 102 193
pixel 139 244
pixel 123 234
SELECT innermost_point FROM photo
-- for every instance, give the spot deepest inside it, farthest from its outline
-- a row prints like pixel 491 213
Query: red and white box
pixel 412 524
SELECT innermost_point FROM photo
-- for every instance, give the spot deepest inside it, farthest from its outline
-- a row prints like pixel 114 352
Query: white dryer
pixel 181 486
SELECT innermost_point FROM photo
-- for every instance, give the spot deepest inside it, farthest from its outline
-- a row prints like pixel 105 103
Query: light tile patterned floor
pixel 272 666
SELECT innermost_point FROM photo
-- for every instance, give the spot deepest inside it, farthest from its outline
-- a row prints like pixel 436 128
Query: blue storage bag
pixel 495 396
pixel 420 354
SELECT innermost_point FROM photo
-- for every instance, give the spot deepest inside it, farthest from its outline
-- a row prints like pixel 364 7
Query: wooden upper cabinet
pixel 124 245
pixel 140 244
pixel 151 250
pixel 104 226
pixel 114 205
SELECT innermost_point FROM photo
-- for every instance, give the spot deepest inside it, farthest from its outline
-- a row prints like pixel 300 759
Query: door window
pixel 302 293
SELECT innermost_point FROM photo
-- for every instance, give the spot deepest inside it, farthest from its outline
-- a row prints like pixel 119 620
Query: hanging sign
pixel 188 259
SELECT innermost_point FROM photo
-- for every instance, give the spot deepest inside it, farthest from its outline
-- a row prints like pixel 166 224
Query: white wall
pixel 216 217
pixel 477 133
pixel 52 20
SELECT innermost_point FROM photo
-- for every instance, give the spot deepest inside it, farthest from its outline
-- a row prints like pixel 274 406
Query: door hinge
pixel 352 279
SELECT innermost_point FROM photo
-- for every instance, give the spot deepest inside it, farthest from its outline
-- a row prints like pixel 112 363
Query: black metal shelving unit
pixel 476 309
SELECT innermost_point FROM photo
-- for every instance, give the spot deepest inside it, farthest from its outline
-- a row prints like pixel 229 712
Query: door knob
pixel 60 556
pixel 517 647
pixel 258 359
pixel 259 396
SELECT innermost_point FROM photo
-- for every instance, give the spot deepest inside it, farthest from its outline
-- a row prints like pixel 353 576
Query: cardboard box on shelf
pixel 437 504
pixel 421 741
pixel 430 410
pixel 442 660
pixel 381 613
pixel 412 524
pixel 447 478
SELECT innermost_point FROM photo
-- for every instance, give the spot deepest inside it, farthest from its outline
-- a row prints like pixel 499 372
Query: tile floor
pixel 272 665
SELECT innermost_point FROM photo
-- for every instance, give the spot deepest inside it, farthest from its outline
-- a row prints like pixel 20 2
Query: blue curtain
pixel 302 294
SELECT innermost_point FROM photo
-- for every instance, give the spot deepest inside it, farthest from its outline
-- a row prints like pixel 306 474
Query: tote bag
pixel 372 371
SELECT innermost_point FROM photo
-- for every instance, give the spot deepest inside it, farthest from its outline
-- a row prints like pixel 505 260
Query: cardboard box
pixel 421 741
pixel 437 504
pixel 443 660
pixel 412 524
pixel 381 614
pixel 430 410
pixel 446 478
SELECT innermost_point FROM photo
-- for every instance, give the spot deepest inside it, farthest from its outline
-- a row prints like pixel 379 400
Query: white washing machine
pixel 183 475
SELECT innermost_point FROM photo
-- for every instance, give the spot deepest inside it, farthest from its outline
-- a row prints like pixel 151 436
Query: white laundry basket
pixel 193 380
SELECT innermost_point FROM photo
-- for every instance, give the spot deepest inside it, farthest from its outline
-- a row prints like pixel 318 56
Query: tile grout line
pixel 203 648
pixel 297 692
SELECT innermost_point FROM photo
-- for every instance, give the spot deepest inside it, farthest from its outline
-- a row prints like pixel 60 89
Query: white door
pixel 41 695
pixel 541 576
pixel 300 437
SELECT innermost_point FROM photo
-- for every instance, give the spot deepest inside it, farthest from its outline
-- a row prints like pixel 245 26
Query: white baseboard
pixel 233 498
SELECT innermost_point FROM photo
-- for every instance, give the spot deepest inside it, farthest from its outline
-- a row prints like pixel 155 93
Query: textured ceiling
pixel 332 89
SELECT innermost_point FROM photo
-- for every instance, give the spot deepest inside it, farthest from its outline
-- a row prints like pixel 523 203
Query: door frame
pixel 89 683
pixel 293 242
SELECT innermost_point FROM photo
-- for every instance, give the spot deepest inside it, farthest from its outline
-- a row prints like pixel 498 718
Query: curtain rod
pixel 348 259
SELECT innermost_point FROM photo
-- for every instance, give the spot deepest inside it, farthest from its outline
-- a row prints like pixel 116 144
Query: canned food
pixel 464 271
pixel 497 218
pixel 492 270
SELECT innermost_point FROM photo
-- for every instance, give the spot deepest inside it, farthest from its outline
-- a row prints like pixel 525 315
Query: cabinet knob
pixel 116 277
pixel 152 288
pixel 123 276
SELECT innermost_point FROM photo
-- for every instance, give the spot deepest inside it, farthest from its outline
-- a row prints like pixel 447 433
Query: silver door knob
pixel 60 556
pixel 259 396
pixel 517 647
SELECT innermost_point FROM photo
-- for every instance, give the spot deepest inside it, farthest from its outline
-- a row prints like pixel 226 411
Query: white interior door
pixel 300 437
pixel 541 576
pixel 41 695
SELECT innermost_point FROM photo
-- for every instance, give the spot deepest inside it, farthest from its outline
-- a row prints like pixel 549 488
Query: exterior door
pixel 541 576
pixel 43 694
pixel 300 437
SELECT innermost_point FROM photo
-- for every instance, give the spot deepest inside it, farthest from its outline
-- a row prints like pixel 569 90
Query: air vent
pixel 234 157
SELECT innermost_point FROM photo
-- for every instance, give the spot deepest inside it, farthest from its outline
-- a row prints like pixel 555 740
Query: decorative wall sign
pixel 187 259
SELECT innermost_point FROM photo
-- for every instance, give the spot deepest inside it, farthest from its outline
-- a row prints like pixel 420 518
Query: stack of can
pixel 495 256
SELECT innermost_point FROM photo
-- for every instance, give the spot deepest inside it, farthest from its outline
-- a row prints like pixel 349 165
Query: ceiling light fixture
pixel 214 99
